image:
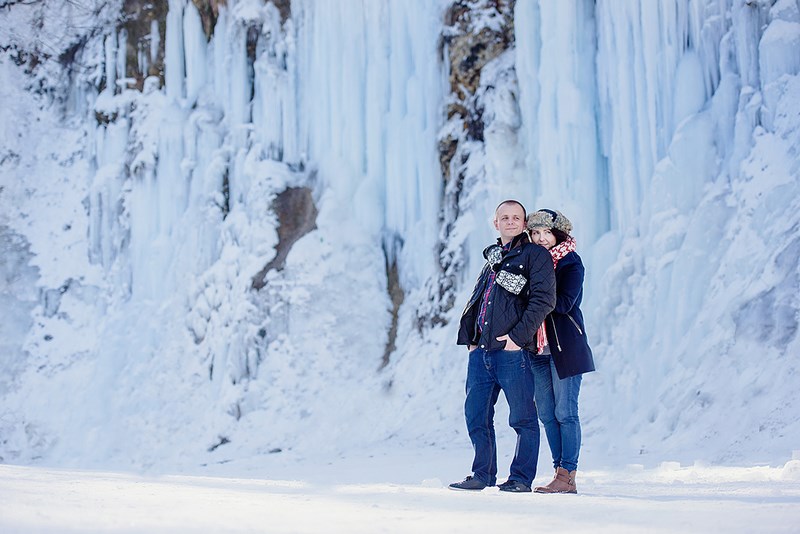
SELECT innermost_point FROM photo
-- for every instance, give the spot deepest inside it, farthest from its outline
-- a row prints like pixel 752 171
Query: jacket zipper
pixel 558 344
pixel 575 323
pixel 473 301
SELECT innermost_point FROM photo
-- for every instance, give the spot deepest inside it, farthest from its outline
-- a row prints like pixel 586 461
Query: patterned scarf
pixel 557 252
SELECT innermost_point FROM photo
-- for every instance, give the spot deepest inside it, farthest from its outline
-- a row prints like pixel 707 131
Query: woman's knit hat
pixel 549 219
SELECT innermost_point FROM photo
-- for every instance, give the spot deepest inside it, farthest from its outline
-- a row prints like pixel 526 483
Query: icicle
pixel 271 87
pixel 122 58
pixel 111 63
pixel 195 47
pixel 155 41
pixel 174 52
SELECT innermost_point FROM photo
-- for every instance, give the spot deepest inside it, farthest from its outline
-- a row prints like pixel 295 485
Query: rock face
pixel 209 11
pixel 297 216
pixel 476 33
pixel 143 56
pixel 470 43
pixel 284 8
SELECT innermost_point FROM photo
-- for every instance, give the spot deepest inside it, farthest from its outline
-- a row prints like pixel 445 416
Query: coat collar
pixel 517 241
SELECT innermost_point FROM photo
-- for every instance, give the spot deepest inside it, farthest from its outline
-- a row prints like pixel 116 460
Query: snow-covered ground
pixel 395 490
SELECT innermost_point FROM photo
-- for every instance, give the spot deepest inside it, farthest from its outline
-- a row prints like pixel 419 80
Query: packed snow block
pixel 777 51
pixel 788 10
pixel 777 57
pixel 770 317
pixel 297 216
pixel 18 297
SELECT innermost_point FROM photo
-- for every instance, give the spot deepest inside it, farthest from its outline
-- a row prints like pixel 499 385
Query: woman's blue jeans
pixel 557 404
pixel 488 373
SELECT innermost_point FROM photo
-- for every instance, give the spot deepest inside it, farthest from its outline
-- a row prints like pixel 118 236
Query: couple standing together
pixel 524 330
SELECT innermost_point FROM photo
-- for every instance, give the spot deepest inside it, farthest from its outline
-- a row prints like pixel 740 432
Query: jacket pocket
pixel 573 321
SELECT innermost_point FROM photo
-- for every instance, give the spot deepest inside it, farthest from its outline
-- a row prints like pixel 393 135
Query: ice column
pixel 159 191
pixel 657 64
pixel 106 233
pixel 174 59
pixel 558 102
pixel 274 92
pixel 370 108
pixel 195 48
pixel 110 62
pixel 413 182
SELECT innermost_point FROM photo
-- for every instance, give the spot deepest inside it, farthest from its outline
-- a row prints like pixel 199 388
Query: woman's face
pixel 544 237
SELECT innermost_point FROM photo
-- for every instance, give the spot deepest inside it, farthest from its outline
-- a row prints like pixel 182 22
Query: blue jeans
pixel 488 373
pixel 557 404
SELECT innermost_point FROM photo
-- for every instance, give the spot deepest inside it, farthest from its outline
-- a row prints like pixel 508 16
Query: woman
pixel 564 353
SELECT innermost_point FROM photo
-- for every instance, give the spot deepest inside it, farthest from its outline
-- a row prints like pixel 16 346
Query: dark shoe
pixel 468 484
pixel 514 486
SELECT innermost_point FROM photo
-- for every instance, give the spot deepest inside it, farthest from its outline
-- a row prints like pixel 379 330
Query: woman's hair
pixel 559 235
pixel 554 220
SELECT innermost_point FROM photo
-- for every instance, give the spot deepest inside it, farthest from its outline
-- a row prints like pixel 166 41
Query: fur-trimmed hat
pixel 549 219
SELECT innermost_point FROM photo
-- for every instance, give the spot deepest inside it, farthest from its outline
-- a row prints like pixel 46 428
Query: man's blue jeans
pixel 557 404
pixel 488 373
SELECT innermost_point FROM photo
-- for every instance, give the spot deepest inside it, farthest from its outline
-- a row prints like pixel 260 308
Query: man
pixel 513 294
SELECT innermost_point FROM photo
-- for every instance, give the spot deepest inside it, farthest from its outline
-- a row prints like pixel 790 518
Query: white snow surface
pixel 393 490
pixel 136 358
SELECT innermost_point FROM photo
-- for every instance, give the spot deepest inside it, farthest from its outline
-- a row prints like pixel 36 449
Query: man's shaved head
pixel 512 201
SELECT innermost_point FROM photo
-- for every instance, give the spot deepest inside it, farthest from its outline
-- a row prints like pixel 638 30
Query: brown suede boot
pixel 563 482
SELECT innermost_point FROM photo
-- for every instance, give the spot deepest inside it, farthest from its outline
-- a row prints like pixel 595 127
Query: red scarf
pixel 557 252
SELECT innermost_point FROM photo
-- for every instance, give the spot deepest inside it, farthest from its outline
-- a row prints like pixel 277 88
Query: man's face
pixel 509 220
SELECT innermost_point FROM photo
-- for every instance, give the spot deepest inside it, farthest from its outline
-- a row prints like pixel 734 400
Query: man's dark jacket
pixel 517 315
pixel 566 334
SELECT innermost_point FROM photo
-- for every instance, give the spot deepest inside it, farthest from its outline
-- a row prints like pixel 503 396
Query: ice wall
pixel 182 184
pixel 558 99
pixel 683 190
pixel 667 131
pixel 370 100
pixel 693 156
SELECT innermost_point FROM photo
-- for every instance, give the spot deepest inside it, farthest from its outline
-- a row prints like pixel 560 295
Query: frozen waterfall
pixel 223 225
